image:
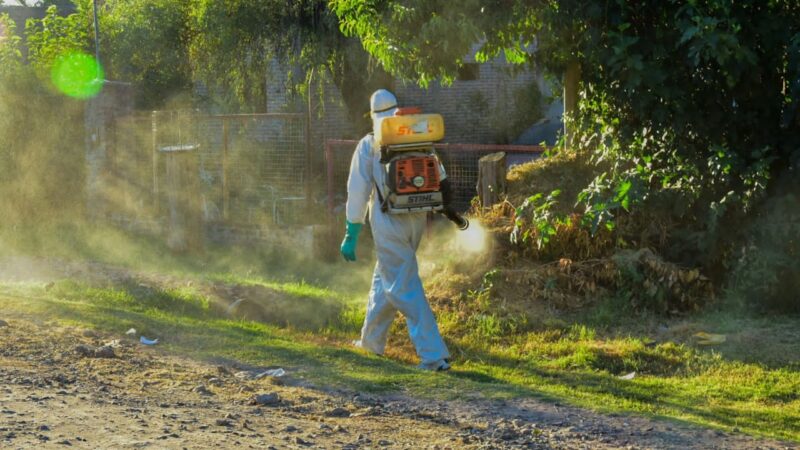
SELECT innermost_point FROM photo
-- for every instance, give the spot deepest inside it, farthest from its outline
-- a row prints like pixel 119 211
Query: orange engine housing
pixel 415 174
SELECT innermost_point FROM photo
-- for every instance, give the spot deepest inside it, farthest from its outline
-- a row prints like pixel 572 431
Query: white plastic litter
pixel 113 344
pixel 629 376
pixel 255 374
pixel 146 341
pixel 232 307
pixel 131 332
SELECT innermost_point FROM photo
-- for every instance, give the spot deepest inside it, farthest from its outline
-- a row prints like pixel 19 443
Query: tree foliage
pixel 234 42
pixel 146 42
pixel 165 46
pixel 694 104
pixel 10 53
pixel 41 133
pixel 55 35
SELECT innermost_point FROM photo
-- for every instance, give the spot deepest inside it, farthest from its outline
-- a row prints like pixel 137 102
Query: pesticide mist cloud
pixel 473 240
pixel 450 249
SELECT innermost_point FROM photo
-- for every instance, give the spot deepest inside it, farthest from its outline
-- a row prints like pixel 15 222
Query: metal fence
pixel 251 169
pixel 460 161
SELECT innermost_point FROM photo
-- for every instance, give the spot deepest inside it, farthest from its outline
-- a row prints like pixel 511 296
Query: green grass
pixel 750 383
pixel 573 364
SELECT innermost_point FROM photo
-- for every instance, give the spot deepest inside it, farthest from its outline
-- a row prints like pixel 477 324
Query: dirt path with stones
pixel 65 387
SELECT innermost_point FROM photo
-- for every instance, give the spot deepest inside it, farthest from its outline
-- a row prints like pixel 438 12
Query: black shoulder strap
pixel 384 206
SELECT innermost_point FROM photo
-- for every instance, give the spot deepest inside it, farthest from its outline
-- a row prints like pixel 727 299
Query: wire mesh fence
pixel 460 161
pixel 245 170
pixel 127 183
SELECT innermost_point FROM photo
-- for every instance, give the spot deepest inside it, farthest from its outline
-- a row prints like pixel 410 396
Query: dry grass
pixel 568 171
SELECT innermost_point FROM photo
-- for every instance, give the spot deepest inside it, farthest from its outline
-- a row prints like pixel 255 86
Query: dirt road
pixel 65 387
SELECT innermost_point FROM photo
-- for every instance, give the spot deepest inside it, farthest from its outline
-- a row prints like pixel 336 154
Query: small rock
pixel 384 443
pixel 202 390
pixel 338 412
pixel 270 399
pixel 89 333
pixel 224 423
pixel 105 351
pixel 44 428
pixel 290 429
pixel 300 441
pixel 277 381
pixel 64 442
pixel 3 323
pixel 90 352
pixel 84 350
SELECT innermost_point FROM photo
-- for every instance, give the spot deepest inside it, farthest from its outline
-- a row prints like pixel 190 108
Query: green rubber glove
pixel 348 248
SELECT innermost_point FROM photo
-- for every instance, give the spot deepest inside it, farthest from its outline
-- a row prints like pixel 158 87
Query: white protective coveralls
pixel 396 284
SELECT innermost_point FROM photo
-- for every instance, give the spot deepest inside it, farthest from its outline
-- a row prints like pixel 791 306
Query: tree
pixel 695 98
pixel 233 43
pixel 146 42
pixel 42 135
pixel 10 53
pixel 55 35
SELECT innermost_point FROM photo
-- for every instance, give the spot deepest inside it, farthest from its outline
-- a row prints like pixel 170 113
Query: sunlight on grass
pixel 573 364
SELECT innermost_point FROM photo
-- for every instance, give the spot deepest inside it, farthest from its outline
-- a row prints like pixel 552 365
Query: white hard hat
pixel 382 104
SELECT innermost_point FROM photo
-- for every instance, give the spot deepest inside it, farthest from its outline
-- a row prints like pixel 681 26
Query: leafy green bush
pixel 648 282
pixel 766 275
pixel 698 99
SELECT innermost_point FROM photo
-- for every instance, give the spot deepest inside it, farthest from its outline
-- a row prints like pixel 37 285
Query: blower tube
pixel 447 196
pixel 461 222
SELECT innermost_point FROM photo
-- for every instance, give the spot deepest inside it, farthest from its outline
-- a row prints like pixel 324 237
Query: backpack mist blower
pixel 415 177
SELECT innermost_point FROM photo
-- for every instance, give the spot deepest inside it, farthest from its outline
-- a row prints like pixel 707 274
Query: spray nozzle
pixel 461 222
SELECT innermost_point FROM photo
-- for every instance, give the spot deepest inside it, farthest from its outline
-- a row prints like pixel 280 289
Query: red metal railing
pixel 460 160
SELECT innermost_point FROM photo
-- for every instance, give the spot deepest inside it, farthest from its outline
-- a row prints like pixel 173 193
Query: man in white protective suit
pixel 396 285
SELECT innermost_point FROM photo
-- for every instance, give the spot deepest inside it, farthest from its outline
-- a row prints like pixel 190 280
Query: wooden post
pixel 307 138
pixel 155 165
pixel 491 178
pixel 225 187
pixel 572 79
pixel 184 216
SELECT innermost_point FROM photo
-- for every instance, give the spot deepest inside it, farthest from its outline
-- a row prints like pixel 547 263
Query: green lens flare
pixel 78 75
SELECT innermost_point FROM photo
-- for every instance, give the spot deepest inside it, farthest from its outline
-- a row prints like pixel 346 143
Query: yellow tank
pixel 408 129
